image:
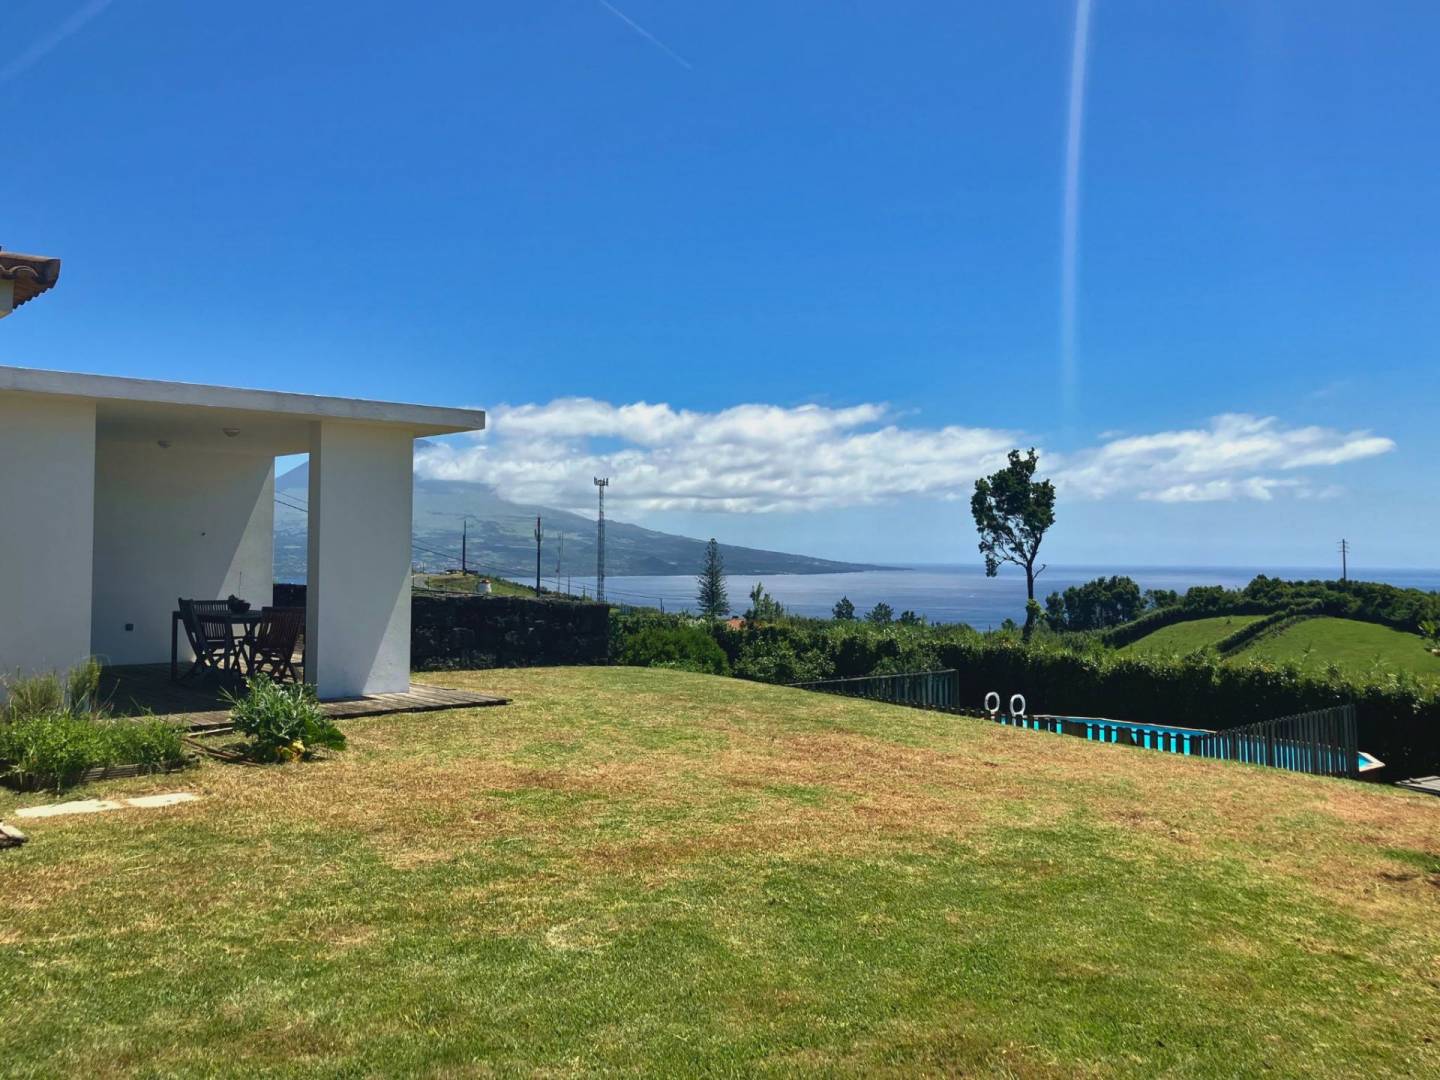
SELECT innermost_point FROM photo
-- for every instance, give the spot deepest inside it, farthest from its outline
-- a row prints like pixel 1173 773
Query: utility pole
pixel 1344 560
pixel 600 542
pixel 559 563
pixel 539 535
pixel 464 544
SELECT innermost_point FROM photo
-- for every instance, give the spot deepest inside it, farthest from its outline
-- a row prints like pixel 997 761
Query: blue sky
pixel 850 216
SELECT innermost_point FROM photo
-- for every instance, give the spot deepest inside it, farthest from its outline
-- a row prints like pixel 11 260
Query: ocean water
pixel 956 593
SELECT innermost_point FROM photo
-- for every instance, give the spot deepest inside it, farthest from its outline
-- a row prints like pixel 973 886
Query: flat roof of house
pixel 422 419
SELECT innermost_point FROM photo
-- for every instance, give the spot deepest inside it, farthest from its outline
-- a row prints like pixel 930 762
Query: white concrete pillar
pixel 357 624
pixel 47 531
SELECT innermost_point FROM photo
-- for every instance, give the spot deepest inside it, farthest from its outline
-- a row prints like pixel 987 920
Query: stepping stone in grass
pixel 96 806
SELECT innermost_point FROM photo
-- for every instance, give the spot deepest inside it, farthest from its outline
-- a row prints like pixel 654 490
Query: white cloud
pixel 761 458
pixel 1231 458
pixel 1259 488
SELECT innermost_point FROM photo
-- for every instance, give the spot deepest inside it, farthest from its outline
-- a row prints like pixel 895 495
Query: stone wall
pixel 506 631
pixel 284 595
pixel 496 631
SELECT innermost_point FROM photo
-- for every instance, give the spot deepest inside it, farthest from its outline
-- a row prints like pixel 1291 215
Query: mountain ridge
pixel 501 539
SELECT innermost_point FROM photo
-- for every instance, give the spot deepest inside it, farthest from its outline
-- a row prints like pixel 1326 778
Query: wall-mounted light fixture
pixel 230 432
pixel 164 444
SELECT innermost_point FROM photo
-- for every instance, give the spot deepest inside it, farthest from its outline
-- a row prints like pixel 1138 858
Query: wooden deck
pixel 146 688
pixel 1430 785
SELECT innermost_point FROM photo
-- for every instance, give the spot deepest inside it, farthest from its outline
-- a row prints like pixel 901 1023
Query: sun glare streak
pixel 41 48
pixel 1069 241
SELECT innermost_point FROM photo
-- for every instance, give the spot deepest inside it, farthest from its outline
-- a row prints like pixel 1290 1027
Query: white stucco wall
pixel 172 523
pixel 47 472
pixel 358 594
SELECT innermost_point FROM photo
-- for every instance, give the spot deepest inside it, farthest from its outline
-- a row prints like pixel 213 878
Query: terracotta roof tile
pixel 32 274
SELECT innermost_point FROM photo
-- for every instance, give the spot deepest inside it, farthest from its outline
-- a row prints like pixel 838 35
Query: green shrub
pixel 774 658
pixel 51 749
pixel 283 721
pixel 48 748
pixel 687 647
pixel 78 693
pixel 53 729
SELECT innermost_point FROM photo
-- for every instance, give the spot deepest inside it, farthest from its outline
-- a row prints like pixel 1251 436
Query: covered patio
pixel 141 689
pixel 120 496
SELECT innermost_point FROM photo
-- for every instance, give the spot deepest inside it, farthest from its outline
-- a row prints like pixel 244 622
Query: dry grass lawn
pixel 643 871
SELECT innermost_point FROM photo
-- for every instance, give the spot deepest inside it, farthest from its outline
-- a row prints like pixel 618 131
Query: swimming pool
pixel 1194 742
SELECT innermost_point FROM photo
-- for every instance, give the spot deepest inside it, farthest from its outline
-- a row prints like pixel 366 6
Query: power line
pixel 294 502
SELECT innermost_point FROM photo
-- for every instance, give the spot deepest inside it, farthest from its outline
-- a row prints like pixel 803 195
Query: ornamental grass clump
pixel 283 721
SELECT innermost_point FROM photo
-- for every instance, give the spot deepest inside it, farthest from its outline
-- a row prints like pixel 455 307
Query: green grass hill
pixel 1184 637
pixel 1358 648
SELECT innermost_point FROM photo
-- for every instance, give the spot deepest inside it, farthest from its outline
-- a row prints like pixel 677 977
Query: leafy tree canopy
pixel 1096 605
pixel 1012 512
pixel 881 614
pixel 763 606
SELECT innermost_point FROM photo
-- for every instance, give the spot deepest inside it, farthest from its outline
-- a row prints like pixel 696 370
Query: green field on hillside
pixel 1184 637
pixel 636 872
pixel 470 583
pixel 1359 648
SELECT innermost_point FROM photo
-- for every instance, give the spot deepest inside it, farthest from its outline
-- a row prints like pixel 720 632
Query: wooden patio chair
pixel 210 637
pixel 273 651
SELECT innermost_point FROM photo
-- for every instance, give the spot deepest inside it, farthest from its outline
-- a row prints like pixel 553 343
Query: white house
pixel 117 496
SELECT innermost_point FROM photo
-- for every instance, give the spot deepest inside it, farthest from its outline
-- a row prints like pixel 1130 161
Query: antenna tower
pixel 600 541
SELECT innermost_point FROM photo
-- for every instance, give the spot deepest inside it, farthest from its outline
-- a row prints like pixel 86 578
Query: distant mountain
pixel 502 541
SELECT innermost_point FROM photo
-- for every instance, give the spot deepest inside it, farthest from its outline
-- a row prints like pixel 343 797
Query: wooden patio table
pixel 244 621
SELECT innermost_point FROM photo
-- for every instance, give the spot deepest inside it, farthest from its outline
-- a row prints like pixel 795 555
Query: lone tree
pixel 763 606
pixel 882 614
pixel 1012 511
pixel 844 610
pixel 712 597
